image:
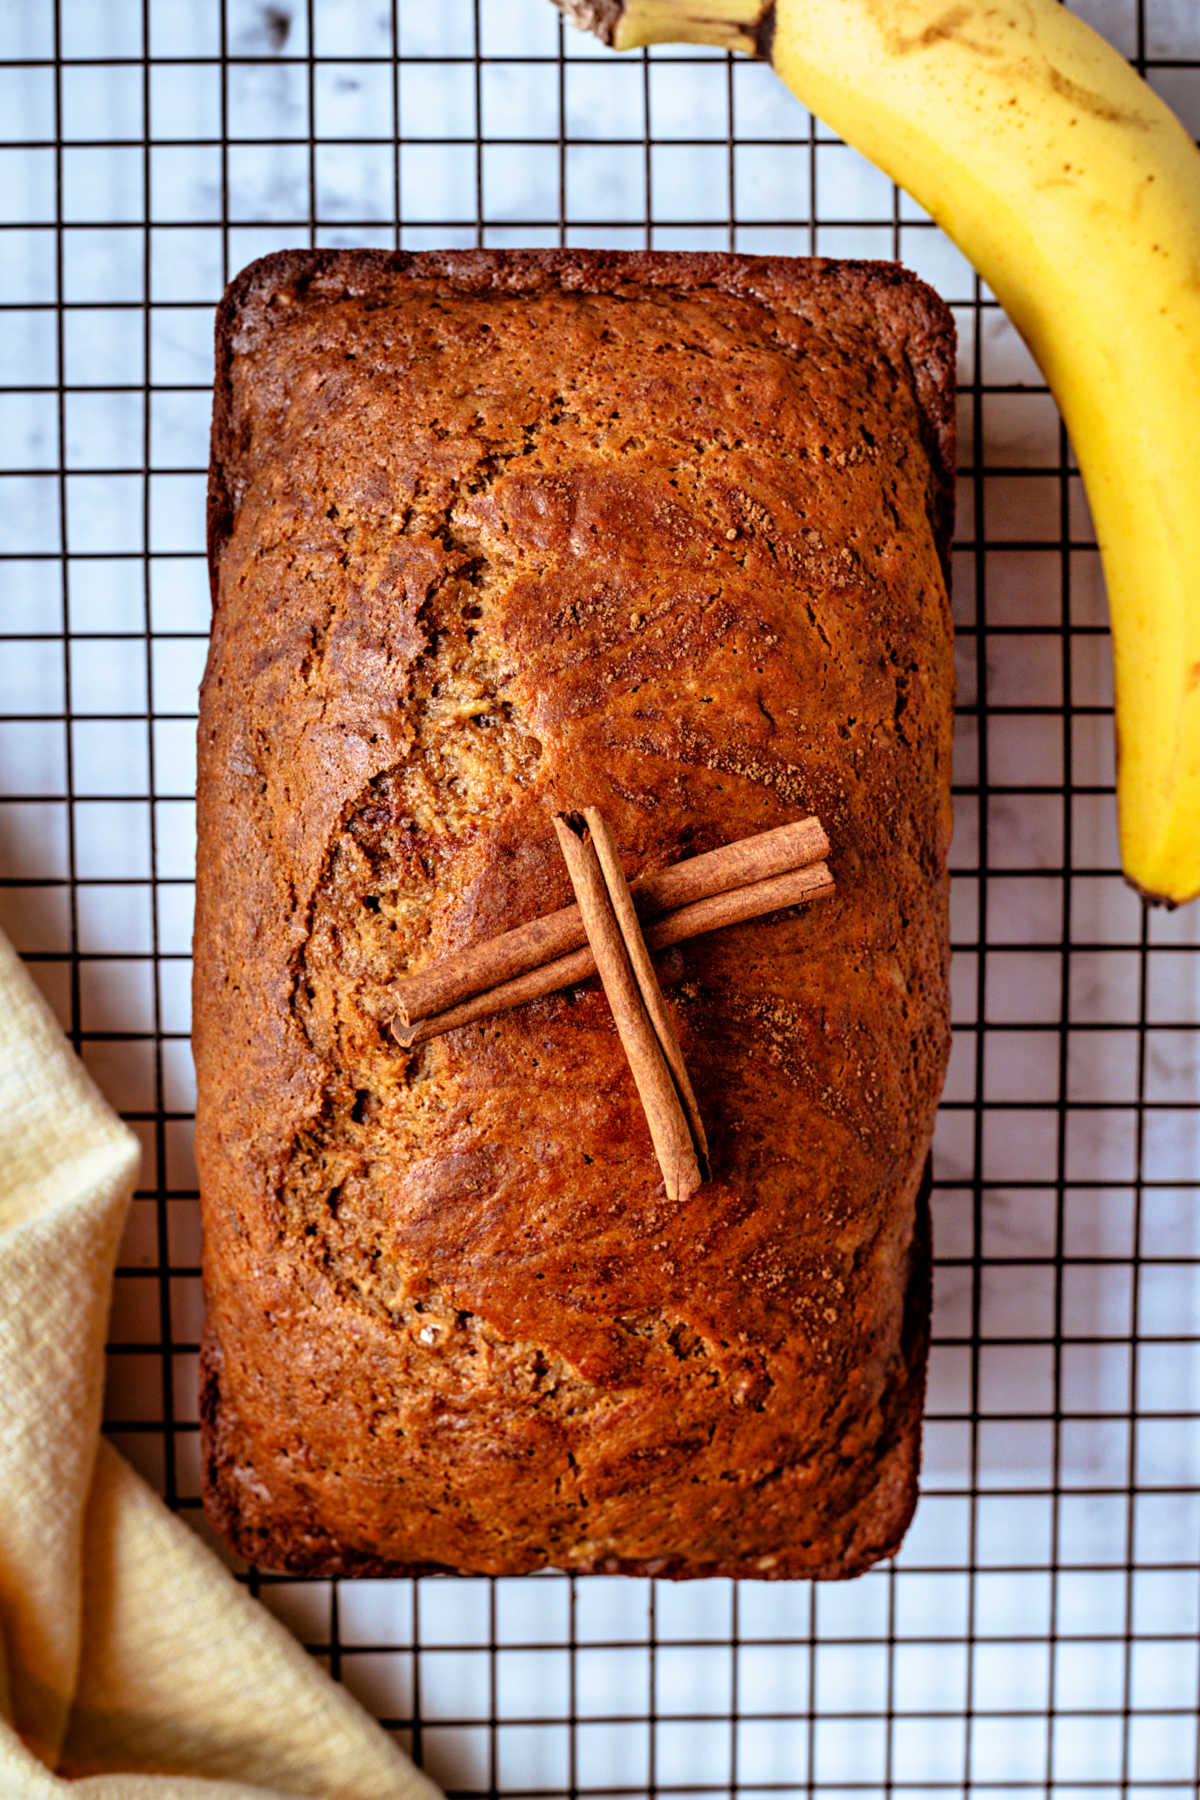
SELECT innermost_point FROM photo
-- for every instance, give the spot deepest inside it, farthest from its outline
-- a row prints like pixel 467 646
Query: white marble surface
pixel 1050 1580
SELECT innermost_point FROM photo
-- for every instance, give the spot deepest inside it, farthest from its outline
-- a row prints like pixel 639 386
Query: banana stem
pixel 743 25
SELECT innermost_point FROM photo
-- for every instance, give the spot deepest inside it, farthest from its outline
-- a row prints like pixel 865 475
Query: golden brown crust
pixel 491 535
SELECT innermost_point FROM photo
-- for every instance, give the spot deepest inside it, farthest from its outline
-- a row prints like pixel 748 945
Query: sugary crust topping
pixel 491 536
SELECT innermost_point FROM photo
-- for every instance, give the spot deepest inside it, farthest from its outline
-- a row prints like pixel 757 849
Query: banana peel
pixel 1075 192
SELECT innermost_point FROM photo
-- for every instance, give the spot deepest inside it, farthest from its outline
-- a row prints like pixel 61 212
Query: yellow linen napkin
pixel 132 1665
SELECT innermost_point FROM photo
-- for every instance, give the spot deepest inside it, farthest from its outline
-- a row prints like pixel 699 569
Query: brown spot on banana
pixel 947 28
pixel 1089 101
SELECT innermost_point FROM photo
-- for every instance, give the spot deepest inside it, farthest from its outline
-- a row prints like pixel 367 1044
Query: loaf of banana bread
pixel 496 534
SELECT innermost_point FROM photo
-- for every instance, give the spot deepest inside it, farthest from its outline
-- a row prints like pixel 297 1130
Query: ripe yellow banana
pixel 1076 194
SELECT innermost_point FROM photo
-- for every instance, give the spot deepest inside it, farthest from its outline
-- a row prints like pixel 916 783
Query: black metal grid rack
pixel 1038 1632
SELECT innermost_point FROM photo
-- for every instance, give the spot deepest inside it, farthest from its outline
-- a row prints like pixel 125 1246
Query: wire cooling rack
pixel 1038 1632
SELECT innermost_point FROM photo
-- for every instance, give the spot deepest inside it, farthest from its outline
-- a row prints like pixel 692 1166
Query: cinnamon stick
pixel 670 1129
pixel 491 966
pixel 647 980
pixel 711 913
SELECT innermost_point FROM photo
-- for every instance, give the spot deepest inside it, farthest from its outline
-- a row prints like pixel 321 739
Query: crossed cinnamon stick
pixel 638 1008
pixel 611 930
